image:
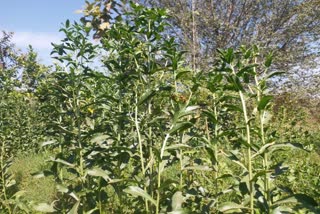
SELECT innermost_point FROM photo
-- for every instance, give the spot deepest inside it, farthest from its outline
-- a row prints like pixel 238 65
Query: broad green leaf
pixel 235 83
pixel 210 115
pixel 259 174
pixel 179 127
pixel 268 60
pixel 162 165
pixel 263 102
pixel 181 73
pixel 263 149
pixel 233 157
pixel 67 23
pixel 280 146
pixel 167 183
pixel 233 107
pixel 75 208
pixel 100 173
pixel 182 211
pixel 99 138
pixel 247 69
pixel 230 206
pixel 137 191
pixel 281 210
pixel 50 142
pixel 212 155
pixel 298 198
pixel 177 201
pixel 146 96
pixel 58 160
pixel 224 176
pixel 192 108
pixel 41 174
pixel 228 55
pixel 62 189
pixel 198 167
pixel 92 211
pixel 10 182
pixel 73 195
pixel 19 193
pixel 44 207
pixel 275 74
pixel 177 146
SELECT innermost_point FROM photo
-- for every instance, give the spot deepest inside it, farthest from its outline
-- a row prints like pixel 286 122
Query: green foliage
pixel 143 133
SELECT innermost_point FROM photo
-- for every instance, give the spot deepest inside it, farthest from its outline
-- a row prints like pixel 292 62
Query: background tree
pixel 290 27
pixel 6 48
pixel 8 62
pixel 32 71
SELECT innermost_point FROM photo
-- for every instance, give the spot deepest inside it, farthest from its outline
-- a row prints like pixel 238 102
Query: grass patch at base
pixel 37 190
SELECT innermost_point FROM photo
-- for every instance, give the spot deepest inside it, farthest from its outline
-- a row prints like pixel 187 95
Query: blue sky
pixel 37 22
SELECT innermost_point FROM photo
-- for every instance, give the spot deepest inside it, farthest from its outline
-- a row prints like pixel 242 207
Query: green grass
pixel 37 190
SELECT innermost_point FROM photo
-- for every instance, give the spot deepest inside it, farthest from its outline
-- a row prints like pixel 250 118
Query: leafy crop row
pixel 146 134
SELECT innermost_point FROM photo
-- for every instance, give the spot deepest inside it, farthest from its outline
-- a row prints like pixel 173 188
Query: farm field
pixel 141 113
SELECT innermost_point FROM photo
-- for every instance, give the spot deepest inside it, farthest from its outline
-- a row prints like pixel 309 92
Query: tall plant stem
pixel 76 104
pixel 151 156
pixel 158 187
pixel 139 135
pixel 140 143
pixel 248 134
pixel 243 103
pixel 216 164
pixel 3 179
pixel 262 133
pixel 164 143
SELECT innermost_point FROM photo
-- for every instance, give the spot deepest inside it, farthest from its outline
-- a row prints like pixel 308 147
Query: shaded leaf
pixel 268 60
pixel 263 102
pixel 146 96
pixel 179 127
pixel 298 198
pixel 275 74
pixel 75 208
pixel 177 146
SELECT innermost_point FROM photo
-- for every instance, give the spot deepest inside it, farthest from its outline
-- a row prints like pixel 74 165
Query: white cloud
pixel 38 40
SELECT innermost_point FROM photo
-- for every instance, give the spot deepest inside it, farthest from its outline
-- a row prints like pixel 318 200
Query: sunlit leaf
pixel 62 189
pixel 177 201
pixel 44 207
pixel 198 167
pixel 138 192
pixel 100 173
pixel 50 142
pixel 75 208
pixel 230 206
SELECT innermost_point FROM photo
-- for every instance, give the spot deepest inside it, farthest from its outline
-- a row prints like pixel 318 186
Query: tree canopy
pixel 289 29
